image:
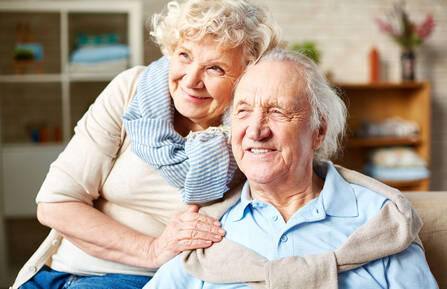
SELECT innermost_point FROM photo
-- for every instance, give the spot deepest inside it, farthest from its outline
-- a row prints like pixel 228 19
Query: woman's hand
pixel 102 237
pixel 185 231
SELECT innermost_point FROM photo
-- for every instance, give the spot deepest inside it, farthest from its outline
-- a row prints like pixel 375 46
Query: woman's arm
pixel 101 236
pixel 65 200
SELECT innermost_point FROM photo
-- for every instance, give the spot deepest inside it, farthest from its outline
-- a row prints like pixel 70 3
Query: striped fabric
pixel 200 165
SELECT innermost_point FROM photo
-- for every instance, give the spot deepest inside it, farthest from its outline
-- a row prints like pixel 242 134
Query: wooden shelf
pixel 88 77
pixel 377 102
pixel 56 98
pixel 382 141
pixel 17 78
pixel 380 85
pixel 405 184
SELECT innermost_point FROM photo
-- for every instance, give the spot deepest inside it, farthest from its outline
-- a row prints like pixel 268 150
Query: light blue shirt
pixel 320 226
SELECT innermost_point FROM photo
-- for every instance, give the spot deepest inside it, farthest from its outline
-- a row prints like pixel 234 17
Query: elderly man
pixel 285 122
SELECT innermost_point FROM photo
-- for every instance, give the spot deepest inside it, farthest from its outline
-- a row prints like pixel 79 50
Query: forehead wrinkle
pixel 290 87
pixel 269 103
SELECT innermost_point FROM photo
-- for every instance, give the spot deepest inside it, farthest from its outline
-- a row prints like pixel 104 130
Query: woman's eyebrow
pixel 183 47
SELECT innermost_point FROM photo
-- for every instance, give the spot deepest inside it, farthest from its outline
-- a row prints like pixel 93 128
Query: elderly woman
pixel 153 138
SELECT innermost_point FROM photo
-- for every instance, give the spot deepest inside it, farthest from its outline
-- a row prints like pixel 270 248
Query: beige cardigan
pixel 391 231
pixel 97 167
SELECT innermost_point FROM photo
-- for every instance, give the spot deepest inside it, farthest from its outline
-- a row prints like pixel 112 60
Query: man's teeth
pixel 259 151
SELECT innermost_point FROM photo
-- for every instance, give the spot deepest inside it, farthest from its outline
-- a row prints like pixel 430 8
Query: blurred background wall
pixel 345 31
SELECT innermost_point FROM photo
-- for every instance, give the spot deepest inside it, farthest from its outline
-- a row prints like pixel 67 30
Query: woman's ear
pixel 319 134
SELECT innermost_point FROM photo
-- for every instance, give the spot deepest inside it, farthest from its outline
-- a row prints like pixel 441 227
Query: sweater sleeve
pixel 82 168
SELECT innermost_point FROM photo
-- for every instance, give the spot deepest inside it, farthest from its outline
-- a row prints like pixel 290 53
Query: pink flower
pixel 426 27
pixel 385 26
pixel 404 31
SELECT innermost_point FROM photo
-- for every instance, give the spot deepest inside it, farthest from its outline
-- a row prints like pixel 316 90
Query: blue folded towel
pixel 92 54
pixel 397 173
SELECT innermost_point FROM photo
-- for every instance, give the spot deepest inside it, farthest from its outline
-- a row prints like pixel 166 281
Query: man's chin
pixel 261 179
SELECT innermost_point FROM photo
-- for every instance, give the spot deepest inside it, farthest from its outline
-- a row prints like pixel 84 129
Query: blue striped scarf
pixel 200 165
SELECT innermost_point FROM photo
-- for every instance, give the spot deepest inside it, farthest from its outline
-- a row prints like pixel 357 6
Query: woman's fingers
pixel 194 244
pixel 186 231
pixel 195 230
pixel 203 227
pixel 198 235
pixel 191 215
pixel 196 221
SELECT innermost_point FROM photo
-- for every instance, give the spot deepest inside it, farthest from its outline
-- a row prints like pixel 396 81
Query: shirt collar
pixel 246 199
pixel 337 196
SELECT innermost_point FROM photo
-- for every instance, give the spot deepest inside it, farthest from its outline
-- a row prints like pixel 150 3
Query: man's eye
pixel 217 69
pixel 276 111
pixel 241 112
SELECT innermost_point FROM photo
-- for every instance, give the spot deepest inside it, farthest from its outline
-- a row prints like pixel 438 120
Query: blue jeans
pixel 48 278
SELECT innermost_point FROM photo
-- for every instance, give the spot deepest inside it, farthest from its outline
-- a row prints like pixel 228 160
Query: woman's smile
pixel 194 98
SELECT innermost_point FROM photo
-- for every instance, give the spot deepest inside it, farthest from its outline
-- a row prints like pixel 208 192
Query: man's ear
pixel 319 134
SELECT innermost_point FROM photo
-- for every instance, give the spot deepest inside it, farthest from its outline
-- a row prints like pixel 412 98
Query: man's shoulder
pixel 369 201
pixel 351 188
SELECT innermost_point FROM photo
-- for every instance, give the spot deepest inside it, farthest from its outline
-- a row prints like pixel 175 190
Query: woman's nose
pixel 258 128
pixel 193 78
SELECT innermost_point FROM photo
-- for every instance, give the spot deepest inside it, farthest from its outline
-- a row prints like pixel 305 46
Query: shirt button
pixel 275 218
pixel 284 238
pixel 32 269
pixel 54 242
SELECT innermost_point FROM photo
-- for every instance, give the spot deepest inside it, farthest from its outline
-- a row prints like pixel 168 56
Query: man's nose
pixel 258 129
pixel 193 77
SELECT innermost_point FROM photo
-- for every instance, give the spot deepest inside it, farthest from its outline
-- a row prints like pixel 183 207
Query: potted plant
pixel 309 49
pixel 407 34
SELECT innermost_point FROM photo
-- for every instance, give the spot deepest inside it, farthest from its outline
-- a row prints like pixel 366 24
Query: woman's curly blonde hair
pixel 232 23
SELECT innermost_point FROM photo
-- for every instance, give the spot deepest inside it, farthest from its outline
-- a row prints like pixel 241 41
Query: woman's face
pixel 201 78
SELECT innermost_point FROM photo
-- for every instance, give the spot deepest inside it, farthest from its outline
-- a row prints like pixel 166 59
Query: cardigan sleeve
pixel 82 168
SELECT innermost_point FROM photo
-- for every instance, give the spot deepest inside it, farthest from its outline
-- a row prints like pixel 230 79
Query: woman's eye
pixel 184 55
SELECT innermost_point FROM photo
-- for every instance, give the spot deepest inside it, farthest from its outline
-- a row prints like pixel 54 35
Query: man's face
pixel 272 137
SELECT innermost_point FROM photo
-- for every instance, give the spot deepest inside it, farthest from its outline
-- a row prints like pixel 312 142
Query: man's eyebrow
pixel 241 102
pixel 270 104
